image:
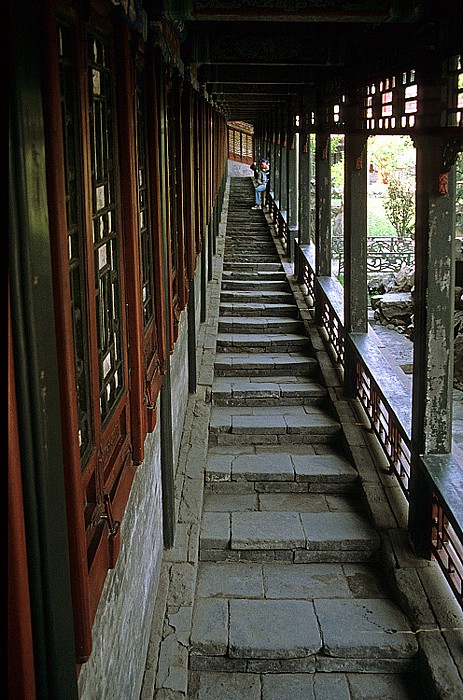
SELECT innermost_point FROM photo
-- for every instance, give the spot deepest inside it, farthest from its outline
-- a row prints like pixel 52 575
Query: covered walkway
pixel 291 574
pixel 208 454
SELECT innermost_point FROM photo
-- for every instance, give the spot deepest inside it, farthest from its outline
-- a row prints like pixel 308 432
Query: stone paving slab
pixel 266 531
pixel 305 581
pixel 255 267
pixel 230 580
pixel 248 388
pixel 215 530
pixel 209 632
pixel 273 629
pixel 251 324
pixel 261 285
pixel 225 686
pixel 258 342
pixel 298 502
pixel 323 468
pixel 264 364
pixel 267 310
pixel 259 467
pixel 222 502
pixel 275 580
pixel 366 628
pixel 279 276
pixel 257 298
pixel 303 686
pixel 338 531
pixel 272 420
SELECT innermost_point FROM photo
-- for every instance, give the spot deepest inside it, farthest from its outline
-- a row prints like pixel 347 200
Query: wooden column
pixel 355 234
pixel 293 191
pixel 304 180
pixel 355 248
pixel 433 321
pixel 323 205
pixel 277 164
pixel 284 168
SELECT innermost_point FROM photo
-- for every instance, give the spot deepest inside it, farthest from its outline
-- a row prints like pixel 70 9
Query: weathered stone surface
pixel 266 531
pixel 365 628
pixel 227 580
pixel 283 686
pixel 215 530
pixel 273 629
pixel 260 467
pixel 323 468
pixel 338 531
pixel 387 686
pixel 305 581
pixel 209 634
pixel 232 686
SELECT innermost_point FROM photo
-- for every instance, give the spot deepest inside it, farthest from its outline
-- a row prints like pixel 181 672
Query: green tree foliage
pixel 388 154
pixel 399 206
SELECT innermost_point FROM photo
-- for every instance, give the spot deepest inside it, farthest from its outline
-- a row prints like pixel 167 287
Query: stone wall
pixel 123 621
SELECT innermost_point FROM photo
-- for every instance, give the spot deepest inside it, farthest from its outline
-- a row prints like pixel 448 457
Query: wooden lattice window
pixel 452 97
pixel 106 225
pixel 149 291
pixel 391 104
pixel 410 99
pixel 75 230
pixel 95 244
pixel 240 144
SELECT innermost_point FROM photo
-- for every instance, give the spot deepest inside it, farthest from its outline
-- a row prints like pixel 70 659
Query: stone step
pixel 262 342
pixel 277 470
pixel 259 246
pixel 290 536
pixel 255 276
pixel 264 310
pixel 253 266
pixel 248 236
pixel 301 636
pixel 247 391
pixel 251 258
pixel 281 425
pixel 244 236
pixel 255 285
pixel 255 324
pixel 281 683
pixel 256 297
pixel 264 364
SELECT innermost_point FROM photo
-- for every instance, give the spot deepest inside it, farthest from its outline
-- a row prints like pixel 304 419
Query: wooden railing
pixel 387 404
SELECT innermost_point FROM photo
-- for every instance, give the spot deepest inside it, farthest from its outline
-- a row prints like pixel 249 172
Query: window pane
pixel 107 238
pixel 71 131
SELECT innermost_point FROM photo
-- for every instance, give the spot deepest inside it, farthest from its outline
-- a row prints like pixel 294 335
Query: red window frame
pixel 98 482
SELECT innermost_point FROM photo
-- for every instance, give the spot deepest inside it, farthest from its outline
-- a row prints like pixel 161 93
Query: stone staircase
pixel 290 600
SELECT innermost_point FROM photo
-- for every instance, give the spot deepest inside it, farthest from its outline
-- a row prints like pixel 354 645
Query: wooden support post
pixel 322 212
pixel 433 321
pixel 304 181
pixel 293 192
pixel 355 248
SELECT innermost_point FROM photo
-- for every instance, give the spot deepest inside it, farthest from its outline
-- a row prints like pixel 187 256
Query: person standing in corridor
pixel 262 179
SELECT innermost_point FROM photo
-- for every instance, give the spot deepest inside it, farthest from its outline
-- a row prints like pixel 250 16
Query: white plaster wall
pixel 123 620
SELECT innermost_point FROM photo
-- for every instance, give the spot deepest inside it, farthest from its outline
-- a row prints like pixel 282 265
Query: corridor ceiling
pixel 254 55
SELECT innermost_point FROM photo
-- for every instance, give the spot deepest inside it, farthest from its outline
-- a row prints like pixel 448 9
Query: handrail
pixel 387 404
